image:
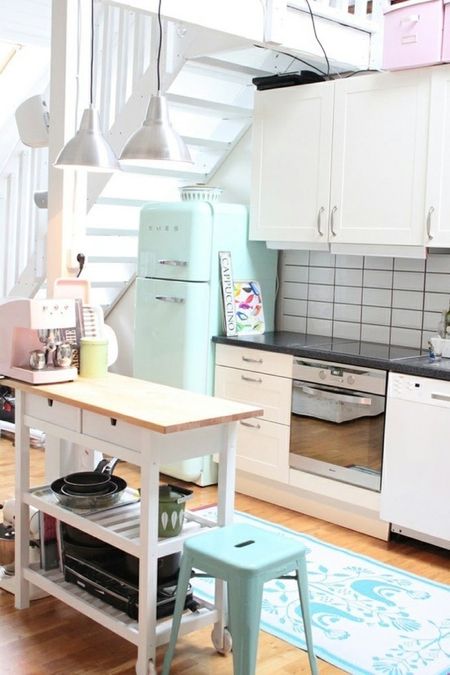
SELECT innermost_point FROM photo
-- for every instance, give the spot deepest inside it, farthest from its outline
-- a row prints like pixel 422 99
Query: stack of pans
pixel 90 489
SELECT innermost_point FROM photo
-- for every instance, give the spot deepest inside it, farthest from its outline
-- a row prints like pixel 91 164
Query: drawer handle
pixel 50 402
pixel 247 359
pixel 113 421
pixel 258 380
pixel 252 426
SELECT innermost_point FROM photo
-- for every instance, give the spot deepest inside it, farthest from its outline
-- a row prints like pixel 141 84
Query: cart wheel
pixel 151 668
pixel 224 645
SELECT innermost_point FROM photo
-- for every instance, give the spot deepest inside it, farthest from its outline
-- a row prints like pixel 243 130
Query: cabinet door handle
pixel 319 221
pixel 252 426
pixel 170 298
pixel 429 214
pixel 258 380
pixel 333 211
pixel 247 359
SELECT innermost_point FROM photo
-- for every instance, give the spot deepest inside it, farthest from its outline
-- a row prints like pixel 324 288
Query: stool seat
pixel 251 550
pixel 245 557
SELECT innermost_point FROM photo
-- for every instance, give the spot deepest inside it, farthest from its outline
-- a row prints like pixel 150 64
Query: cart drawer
pixel 47 409
pixel 112 430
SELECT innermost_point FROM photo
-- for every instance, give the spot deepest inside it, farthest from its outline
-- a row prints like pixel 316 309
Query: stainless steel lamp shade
pixel 156 141
pixel 88 149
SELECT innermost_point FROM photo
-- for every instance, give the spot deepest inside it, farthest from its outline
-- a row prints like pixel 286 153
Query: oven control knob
pixel 351 379
pixel 322 374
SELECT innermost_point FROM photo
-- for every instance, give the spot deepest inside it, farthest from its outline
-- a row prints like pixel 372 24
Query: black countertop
pixel 352 352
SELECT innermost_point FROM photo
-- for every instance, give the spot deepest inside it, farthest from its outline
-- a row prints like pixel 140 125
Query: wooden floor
pixel 50 638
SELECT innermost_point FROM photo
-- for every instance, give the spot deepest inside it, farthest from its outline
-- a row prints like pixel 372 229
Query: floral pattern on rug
pixel 368 618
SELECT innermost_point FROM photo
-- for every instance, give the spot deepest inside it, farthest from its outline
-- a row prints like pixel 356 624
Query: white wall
pixel 235 173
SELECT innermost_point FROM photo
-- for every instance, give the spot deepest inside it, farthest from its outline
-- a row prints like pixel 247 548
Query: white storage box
pixel 413 34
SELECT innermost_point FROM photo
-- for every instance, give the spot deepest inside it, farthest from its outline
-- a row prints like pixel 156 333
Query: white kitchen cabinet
pixel 378 170
pixel 437 201
pixel 344 162
pixel 292 134
pixel 264 379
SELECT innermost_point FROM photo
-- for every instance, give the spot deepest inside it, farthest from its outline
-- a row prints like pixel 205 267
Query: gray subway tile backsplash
pixel 407 299
pixel 348 277
pixel 377 278
pixel 387 300
pixel 380 316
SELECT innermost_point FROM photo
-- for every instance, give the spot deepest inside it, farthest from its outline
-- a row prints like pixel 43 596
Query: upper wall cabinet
pixel 361 160
pixel 437 201
pixel 291 163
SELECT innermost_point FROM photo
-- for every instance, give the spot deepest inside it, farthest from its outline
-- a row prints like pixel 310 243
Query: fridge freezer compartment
pixel 175 242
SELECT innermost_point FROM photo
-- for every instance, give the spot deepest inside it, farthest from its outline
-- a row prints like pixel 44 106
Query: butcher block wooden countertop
pixel 145 404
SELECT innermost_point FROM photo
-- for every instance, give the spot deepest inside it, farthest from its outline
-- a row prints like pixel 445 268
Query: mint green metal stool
pixel 245 557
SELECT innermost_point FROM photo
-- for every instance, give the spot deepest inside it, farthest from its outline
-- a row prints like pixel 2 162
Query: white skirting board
pixel 354 516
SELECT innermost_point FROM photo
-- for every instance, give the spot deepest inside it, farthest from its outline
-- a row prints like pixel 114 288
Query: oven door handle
pixel 341 398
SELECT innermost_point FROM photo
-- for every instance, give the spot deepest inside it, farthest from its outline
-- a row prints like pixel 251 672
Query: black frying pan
pixel 89 501
pixel 89 482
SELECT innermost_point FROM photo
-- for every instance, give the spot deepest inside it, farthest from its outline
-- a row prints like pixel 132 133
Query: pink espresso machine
pixel 32 348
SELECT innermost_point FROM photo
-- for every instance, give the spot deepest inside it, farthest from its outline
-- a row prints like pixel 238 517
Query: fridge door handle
pixel 173 263
pixel 170 298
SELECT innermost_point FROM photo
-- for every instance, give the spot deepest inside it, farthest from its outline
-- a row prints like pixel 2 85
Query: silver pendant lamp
pixel 88 149
pixel 156 144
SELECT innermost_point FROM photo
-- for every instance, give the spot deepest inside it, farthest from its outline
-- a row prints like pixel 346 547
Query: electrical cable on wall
pixel 317 38
pixel 81 259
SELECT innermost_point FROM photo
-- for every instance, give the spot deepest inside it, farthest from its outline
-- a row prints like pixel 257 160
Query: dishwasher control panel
pixel 421 389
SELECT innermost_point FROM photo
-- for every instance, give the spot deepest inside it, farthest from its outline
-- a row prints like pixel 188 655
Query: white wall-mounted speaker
pixel 33 120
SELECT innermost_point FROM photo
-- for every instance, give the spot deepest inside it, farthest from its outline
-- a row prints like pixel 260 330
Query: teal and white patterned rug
pixel 368 618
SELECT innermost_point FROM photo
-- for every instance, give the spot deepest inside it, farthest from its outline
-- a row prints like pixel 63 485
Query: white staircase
pixel 210 93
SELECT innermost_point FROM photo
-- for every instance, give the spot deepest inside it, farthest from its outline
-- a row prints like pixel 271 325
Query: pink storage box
pixel 413 34
pixel 446 33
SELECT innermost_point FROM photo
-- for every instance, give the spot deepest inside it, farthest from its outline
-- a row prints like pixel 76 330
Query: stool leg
pixel 182 586
pixel 302 583
pixel 244 611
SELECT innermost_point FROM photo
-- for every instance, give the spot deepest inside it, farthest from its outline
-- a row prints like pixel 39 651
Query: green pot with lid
pixel 172 504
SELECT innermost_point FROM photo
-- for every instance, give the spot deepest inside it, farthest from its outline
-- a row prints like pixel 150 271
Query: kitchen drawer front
pixel 263 449
pixel 112 430
pixel 49 410
pixel 271 393
pixel 254 359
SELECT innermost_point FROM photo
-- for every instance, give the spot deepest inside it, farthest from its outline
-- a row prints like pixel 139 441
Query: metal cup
pixel 62 355
pixel 37 359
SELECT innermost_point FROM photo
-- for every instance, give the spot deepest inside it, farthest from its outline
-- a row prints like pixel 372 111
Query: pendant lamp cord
pixel 158 59
pixel 91 90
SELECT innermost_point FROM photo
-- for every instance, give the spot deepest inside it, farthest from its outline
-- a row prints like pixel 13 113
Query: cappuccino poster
pixel 226 277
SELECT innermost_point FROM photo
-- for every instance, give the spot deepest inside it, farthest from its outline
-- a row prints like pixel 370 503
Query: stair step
pixel 106 259
pixel 111 232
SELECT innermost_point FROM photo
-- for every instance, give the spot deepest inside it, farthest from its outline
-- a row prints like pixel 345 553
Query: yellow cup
pixel 93 357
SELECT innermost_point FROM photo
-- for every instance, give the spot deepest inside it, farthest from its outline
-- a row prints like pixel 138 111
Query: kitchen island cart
pixel 145 424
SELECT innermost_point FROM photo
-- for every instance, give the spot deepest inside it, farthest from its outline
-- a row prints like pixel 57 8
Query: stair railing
pixel 22 223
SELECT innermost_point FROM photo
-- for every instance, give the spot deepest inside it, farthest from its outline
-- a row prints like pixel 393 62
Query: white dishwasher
pixel 415 488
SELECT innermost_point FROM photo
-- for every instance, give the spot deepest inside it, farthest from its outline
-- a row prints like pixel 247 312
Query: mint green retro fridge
pixel 178 297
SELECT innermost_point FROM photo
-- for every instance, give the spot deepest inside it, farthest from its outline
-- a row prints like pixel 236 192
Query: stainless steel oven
pixel 337 421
